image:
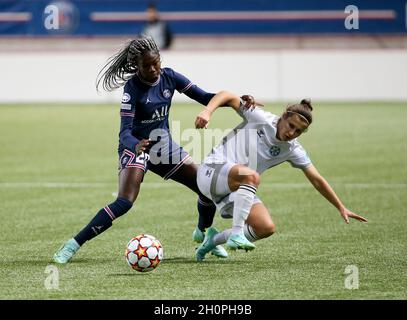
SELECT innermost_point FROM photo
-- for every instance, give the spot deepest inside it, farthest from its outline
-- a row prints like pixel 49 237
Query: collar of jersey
pixel 151 84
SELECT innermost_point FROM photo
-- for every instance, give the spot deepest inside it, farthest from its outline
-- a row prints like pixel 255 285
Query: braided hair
pixel 123 65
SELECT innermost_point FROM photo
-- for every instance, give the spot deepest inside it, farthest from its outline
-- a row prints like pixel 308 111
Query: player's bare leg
pixel 129 183
pixel 259 224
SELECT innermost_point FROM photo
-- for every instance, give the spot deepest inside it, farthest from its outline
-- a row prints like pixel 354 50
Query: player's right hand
pixel 346 214
pixel 202 120
pixel 250 102
pixel 142 146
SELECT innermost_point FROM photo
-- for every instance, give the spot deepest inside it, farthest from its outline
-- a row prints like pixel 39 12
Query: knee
pixel 129 195
pixel 253 179
pixel 268 229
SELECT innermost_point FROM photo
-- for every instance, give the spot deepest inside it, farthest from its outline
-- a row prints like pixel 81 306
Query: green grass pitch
pixel 58 167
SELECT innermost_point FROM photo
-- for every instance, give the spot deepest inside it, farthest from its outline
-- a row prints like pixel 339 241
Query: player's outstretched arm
pixel 326 190
pixel 223 98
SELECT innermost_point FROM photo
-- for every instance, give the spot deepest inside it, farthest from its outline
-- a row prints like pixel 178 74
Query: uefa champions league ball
pixel 144 253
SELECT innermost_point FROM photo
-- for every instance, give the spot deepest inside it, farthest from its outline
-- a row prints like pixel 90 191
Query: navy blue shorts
pixel 164 166
pixel 128 159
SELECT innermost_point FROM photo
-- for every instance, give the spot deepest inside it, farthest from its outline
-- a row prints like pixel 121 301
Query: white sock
pixel 241 209
pixel 222 237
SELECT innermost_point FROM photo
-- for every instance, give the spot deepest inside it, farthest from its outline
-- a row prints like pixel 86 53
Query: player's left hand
pixel 250 102
pixel 346 214
pixel 142 146
pixel 202 120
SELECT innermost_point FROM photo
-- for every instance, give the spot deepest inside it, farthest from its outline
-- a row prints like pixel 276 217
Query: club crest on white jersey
pixel 275 151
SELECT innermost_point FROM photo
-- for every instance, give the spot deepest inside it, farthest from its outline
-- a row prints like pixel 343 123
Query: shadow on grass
pixel 209 260
pixel 131 274
pixel 95 261
pixel 192 261
pixel 184 261
pixel 91 261
pixel 45 262
pixel 25 263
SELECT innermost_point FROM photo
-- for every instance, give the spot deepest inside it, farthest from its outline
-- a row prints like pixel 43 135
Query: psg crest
pixel 167 93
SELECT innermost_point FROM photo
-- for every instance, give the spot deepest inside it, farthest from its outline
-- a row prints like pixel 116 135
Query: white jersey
pixel 254 143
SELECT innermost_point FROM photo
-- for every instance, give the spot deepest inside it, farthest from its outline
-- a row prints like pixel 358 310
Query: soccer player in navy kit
pixel 145 138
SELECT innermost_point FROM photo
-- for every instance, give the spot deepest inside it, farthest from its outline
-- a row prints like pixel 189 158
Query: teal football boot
pixel 207 245
pixel 199 236
pixel 66 252
pixel 239 241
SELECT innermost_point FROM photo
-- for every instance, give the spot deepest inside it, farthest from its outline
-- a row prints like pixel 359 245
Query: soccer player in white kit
pixel 230 174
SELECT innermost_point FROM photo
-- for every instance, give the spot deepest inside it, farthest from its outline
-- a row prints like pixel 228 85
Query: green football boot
pixel 199 236
pixel 207 245
pixel 66 252
pixel 239 241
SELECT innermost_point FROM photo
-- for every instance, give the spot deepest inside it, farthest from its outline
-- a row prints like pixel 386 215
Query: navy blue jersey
pixel 145 106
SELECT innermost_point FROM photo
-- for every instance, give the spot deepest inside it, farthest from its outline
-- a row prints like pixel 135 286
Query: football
pixel 144 253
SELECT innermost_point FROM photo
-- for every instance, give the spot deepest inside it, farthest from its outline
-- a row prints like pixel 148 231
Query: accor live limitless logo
pixel 158 115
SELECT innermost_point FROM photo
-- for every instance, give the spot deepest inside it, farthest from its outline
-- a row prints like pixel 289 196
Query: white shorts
pixel 212 181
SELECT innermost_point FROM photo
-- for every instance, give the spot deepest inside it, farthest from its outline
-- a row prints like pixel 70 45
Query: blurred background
pixel 51 51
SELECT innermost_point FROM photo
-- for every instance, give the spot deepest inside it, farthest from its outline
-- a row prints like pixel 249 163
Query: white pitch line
pixel 77 185
pixel 353 185
pixel 161 185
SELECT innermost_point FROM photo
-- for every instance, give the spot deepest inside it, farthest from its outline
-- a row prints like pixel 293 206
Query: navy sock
pixel 103 220
pixel 207 210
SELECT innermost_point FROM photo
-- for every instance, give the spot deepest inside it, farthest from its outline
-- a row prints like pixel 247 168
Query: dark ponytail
pixel 307 104
pixel 123 65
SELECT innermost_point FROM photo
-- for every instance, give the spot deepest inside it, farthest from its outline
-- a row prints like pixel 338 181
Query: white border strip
pixel 242 15
pixel 15 16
